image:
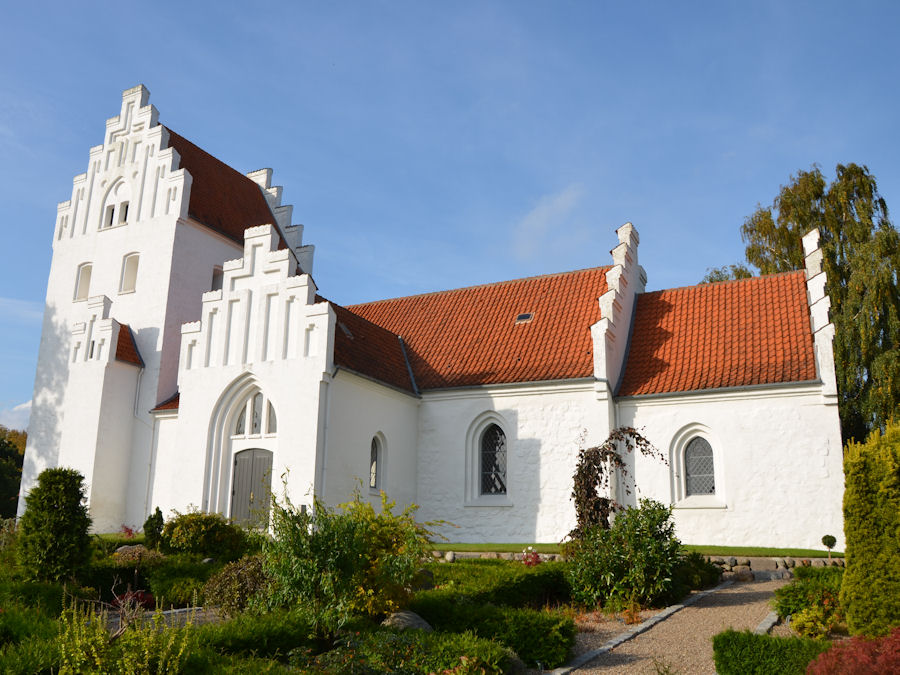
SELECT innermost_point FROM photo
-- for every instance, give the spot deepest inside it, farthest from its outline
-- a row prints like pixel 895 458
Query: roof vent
pixel 345 329
pixel 524 317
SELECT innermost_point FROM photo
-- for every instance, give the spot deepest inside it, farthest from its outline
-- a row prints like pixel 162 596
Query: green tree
pixel 53 539
pixel 12 449
pixel 726 273
pixel 861 259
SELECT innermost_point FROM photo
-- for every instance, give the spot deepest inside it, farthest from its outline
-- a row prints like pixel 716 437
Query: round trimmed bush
pixel 53 541
pixel 205 534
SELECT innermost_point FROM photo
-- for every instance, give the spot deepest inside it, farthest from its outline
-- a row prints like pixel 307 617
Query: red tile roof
pixel 368 349
pixel 170 403
pixel 126 350
pixel 469 336
pixel 729 334
pixel 221 198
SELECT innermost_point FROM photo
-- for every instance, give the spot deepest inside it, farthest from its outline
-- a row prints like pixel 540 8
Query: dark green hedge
pixel 744 653
pixel 870 593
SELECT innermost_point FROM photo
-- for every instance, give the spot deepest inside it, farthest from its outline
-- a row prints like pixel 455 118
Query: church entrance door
pixel 252 487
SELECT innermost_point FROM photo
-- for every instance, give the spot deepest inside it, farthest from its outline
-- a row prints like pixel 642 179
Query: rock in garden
pixel 423 580
pixel 208 561
pixel 732 561
pixel 840 562
pixel 718 561
pixel 490 556
pixel 405 619
pixel 744 562
pixel 743 573
pixel 819 562
pixel 790 562
pixel 450 556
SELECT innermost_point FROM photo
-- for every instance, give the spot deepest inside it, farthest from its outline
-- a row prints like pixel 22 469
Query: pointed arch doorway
pixel 251 487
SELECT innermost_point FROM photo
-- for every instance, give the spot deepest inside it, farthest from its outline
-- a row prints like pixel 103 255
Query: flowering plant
pixel 530 557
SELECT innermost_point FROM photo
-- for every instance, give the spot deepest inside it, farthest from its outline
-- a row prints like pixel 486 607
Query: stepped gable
pixel 729 334
pixel 126 350
pixel 222 198
pixel 470 336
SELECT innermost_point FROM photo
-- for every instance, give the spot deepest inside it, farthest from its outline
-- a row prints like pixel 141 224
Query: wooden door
pixel 252 487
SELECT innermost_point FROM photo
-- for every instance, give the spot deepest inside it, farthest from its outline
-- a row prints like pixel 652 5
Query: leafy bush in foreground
pixel 269 635
pixel 408 653
pixel 860 656
pixel 53 541
pixel 237 585
pixel 504 583
pixel 536 636
pixel 811 600
pixel 744 653
pixel 871 590
pixel 341 564
pixel 633 562
pixel 207 534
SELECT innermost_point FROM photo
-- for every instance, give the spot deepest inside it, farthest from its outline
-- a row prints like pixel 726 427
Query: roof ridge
pixel 485 285
pixel 726 281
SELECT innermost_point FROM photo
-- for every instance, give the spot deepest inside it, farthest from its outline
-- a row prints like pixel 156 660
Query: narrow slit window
pixel 123 212
pixel 83 282
pixel 217 279
pixel 271 421
pixel 256 416
pixel 109 215
pixel 241 425
pixel 128 283
pixel 373 464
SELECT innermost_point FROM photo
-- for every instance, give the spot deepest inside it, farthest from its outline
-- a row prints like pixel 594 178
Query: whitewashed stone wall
pixel 543 424
pixel 358 410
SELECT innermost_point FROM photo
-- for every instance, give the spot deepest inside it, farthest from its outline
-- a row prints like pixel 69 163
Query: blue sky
pixel 431 145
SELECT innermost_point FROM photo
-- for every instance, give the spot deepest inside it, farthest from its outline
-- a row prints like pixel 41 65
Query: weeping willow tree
pixel 861 251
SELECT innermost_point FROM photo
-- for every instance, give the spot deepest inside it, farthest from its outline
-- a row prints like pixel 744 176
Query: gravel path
pixel 683 642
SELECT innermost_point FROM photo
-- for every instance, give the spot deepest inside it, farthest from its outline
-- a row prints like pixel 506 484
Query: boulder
pixel 731 562
pixel 790 562
pixel 742 573
pixel 405 619
pixel 744 562
pixel 819 562
pixel 423 580
pixel 490 556
pixel 450 556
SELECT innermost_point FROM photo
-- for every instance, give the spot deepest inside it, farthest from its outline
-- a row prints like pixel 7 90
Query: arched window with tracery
pixel 699 468
pixel 493 461
pixel 255 414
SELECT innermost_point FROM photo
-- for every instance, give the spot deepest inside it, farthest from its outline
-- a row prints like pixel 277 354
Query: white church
pixel 188 360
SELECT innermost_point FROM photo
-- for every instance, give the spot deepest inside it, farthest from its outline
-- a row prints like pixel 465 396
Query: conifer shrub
pixel 53 541
pixel 870 593
pixel 208 534
pixel 153 528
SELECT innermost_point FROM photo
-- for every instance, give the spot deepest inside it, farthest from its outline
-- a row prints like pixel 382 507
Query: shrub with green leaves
pixel 870 592
pixel 85 646
pixel 412 651
pixel 633 562
pixel 544 637
pixel 343 563
pixel 207 534
pixel 745 653
pixel 502 582
pixel 53 540
pixel 271 634
pixel 811 600
pixel 153 528
pixel 237 585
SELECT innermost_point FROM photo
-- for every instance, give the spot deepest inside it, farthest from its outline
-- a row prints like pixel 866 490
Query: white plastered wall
pixel 778 464
pixel 358 410
pixel 543 424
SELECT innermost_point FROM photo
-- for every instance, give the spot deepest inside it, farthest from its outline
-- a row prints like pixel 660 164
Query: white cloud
pixel 16 417
pixel 21 310
pixel 536 229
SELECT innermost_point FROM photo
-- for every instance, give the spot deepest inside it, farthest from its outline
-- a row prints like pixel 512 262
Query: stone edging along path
pixel 634 631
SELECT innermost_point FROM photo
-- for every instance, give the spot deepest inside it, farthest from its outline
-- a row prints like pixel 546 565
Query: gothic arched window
pixel 249 420
pixel 699 468
pixel 492 458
